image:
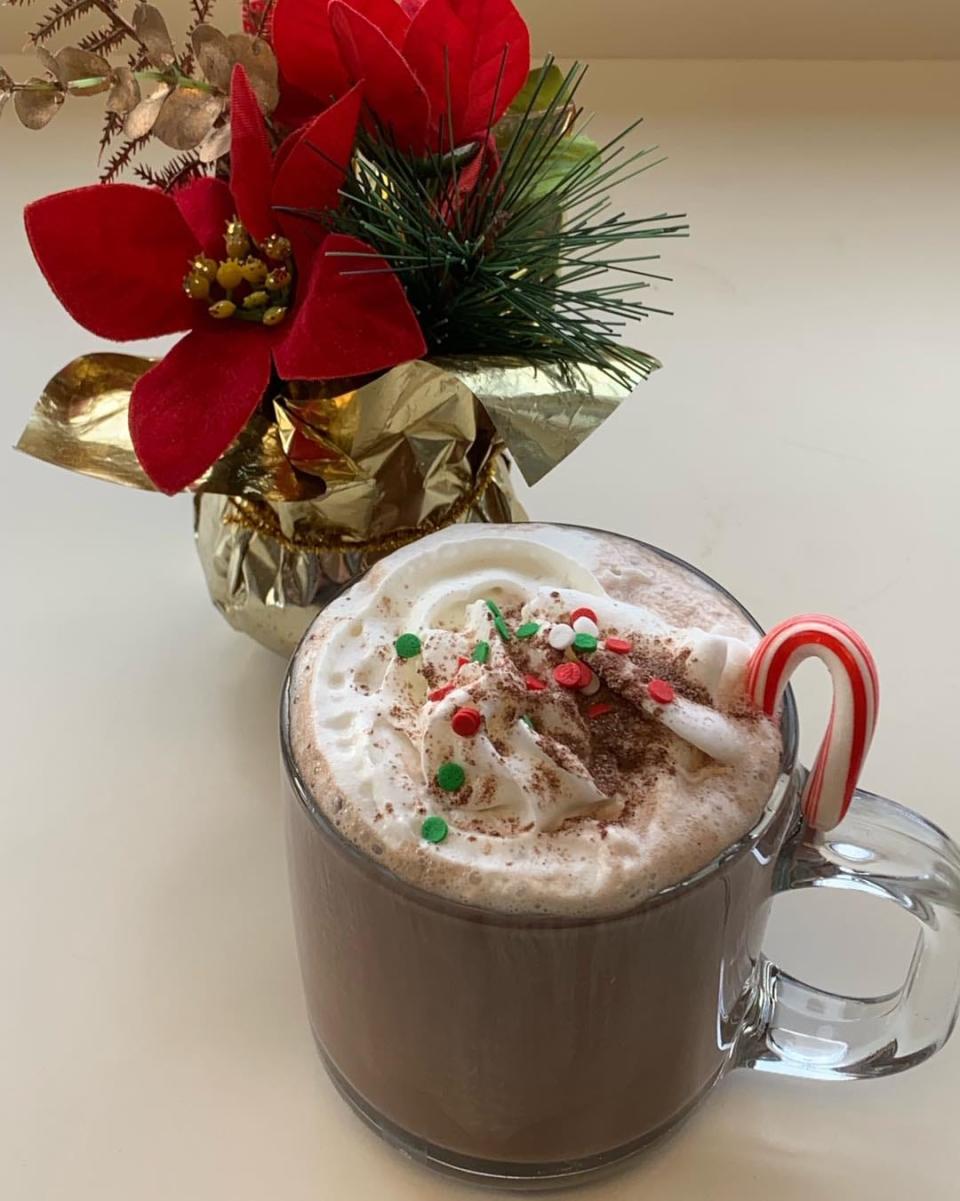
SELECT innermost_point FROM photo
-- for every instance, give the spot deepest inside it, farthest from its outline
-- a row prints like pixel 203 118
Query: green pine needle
pixel 513 268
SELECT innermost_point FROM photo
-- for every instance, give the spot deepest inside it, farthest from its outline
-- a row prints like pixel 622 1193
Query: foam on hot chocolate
pixel 558 799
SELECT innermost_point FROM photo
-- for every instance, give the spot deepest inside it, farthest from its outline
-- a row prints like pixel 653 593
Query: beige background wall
pixel 801 444
pixel 824 29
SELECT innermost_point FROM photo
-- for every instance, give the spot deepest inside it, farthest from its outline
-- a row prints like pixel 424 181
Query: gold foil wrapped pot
pixel 328 478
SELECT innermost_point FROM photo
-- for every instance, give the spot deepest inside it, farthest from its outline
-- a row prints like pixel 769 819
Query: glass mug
pixel 531 1051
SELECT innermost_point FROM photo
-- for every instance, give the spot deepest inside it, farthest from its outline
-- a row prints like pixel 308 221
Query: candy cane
pixel 856 697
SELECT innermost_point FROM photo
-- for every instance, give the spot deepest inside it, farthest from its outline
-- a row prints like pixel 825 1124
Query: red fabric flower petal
pixel 352 317
pixel 412 7
pixel 186 411
pixel 477 52
pixel 296 106
pixel 387 15
pixel 311 172
pixel 207 206
pixel 115 256
pixel 390 87
pixel 251 159
pixel 306 49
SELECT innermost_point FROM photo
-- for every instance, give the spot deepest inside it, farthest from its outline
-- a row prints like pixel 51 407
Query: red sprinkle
pixel 661 692
pixel 619 646
pixel 599 710
pixel 586 675
pixel 569 675
pixel 440 694
pixel 462 662
pixel 578 613
pixel 534 684
pixel 466 722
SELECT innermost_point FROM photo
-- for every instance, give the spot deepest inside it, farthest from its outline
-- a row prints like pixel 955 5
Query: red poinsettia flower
pixel 430 68
pixel 133 262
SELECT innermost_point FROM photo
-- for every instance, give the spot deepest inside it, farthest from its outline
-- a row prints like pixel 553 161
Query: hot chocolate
pixel 533 719
pixel 532 832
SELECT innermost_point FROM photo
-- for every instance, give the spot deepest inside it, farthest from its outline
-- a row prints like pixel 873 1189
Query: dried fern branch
pixel 123 159
pixel 58 17
pixel 180 170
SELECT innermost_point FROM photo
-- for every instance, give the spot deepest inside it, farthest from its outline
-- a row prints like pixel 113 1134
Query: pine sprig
pixel 532 262
pixel 180 170
pixel 58 17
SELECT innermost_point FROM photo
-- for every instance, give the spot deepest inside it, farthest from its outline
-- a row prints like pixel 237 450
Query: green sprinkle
pixel 481 652
pixel 434 829
pixel 529 630
pixel 451 777
pixel 585 642
pixel 408 646
pixel 528 721
pixel 498 620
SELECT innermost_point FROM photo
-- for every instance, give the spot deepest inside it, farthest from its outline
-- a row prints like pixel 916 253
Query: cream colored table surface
pixel 801 446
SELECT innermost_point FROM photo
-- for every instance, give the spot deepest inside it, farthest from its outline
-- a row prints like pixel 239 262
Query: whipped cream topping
pixel 555 798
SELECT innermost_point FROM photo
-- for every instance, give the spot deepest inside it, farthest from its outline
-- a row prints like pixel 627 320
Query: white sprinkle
pixel 594 686
pixel 561 637
pixel 586 625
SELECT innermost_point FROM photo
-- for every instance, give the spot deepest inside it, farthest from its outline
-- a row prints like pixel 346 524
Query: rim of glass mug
pixel 781 794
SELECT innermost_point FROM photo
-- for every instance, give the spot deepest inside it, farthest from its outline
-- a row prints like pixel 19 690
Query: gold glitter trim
pixel 259 518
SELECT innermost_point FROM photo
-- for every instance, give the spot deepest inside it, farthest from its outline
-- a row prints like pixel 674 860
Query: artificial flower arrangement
pixel 390 248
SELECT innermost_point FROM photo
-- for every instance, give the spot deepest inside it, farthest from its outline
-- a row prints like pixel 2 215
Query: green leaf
pixel 569 154
pixel 551 87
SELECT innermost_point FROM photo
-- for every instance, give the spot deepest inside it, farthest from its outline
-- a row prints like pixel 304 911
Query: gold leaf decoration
pixel 37 107
pixel 213 54
pixel 49 63
pixel 187 117
pixel 6 89
pixel 80 65
pixel 257 59
pixel 152 30
pixel 125 92
pixel 140 120
pixel 215 145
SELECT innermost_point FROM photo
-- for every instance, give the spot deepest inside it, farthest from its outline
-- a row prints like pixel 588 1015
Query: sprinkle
pixel 434 829
pixel 661 692
pixel 528 721
pixel 578 613
pixel 586 625
pixel 440 694
pixel 481 652
pixel 592 687
pixel 501 626
pixel 586 675
pixel 619 646
pixel 568 675
pixel 561 637
pixel 599 710
pixel 529 629
pixel 408 646
pixel 466 722
pixel 534 684
pixel 451 777
pixel 462 661
pixel 585 642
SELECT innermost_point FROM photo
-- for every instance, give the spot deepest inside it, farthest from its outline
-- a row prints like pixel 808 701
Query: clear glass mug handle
pixel 888 851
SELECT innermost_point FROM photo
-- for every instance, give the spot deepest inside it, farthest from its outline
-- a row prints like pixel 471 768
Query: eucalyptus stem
pixel 171 76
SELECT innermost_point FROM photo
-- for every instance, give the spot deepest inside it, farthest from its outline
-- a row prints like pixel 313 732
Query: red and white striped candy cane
pixel 856 700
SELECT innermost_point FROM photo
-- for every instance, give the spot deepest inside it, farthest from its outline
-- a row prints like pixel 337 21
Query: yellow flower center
pixel 250 284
